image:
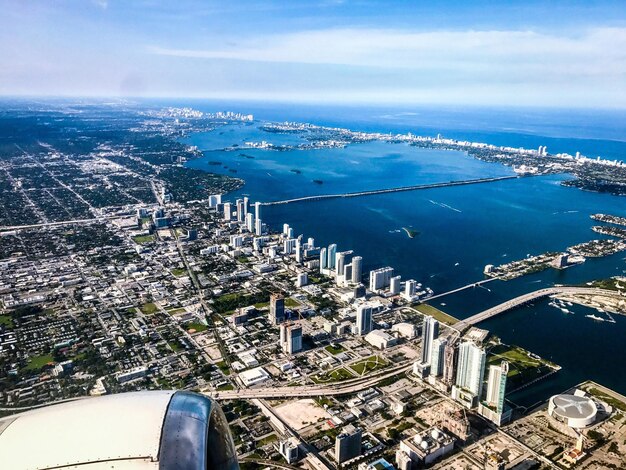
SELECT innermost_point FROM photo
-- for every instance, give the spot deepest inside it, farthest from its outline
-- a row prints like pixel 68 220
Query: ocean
pixel 461 229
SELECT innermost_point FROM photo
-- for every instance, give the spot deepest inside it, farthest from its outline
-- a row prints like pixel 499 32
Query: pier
pixel 373 192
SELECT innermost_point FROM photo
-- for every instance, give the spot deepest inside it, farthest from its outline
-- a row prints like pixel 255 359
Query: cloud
pixel 596 52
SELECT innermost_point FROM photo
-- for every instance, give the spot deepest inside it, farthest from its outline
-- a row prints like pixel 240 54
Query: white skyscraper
pixel 394 286
pixel 228 211
pixel 409 289
pixel 496 386
pixel 363 320
pixel 291 338
pixel 299 249
pixel 258 227
pixel 380 278
pixel 285 229
pixel 290 233
pixel 470 368
pixel 214 200
pixel 430 332
pixel 357 269
pixel 257 210
pixel 323 259
pixel 340 263
pixel 437 356
pixel 246 205
pixel 240 213
pixel 311 243
pixel 250 222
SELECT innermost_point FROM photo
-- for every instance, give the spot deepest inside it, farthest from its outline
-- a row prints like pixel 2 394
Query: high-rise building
pixel 437 356
pixel 409 289
pixel 290 232
pixel 214 200
pixel 292 342
pixel 258 227
pixel 289 451
pixel 496 386
pixel 470 369
pixel 363 320
pixel 228 212
pixel 285 229
pixel 277 309
pixel 449 363
pixel 302 279
pixel 348 444
pixel 340 262
pixel 430 332
pixel 347 272
pixel 246 205
pixel 250 222
pixel 332 253
pixel 394 285
pixel 380 278
pixel 257 210
pixel 298 249
pixel 323 259
pixel 240 213
pixel 311 243
pixel 289 245
pixel 357 269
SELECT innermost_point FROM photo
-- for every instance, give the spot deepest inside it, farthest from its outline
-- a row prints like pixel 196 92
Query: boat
pixel 595 317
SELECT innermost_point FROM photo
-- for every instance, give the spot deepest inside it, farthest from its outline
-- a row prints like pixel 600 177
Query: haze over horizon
pixel 561 54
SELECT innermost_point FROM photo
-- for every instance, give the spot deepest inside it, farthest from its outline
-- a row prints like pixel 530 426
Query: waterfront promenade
pixel 390 190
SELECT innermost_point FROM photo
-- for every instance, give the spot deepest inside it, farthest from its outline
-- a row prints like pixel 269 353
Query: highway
pixel 338 388
pixel 526 298
pixel 389 190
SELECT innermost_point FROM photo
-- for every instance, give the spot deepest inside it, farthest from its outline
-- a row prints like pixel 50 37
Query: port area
pixel 612 301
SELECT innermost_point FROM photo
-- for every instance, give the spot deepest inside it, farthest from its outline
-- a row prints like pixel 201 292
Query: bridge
pixel 304 391
pixel 321 197
pixel 527 298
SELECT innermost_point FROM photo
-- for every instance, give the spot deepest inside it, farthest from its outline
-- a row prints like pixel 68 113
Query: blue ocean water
pixel 460 228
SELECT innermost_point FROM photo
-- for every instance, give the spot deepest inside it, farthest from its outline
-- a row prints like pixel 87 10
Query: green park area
pixel 437 314
pixel 524 367
pixel 178 272
pixel 336 375
pixel 199 327
pixel 149 308
pixel 35 363
pixel 370 364
pixel 6 320
pixel 141 239
pixel 336 349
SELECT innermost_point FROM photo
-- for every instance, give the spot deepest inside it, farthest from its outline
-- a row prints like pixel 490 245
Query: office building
pixel 437 356
pixel 469 374
pixel 380 278
pixel 277 309
pixel 348 444
pixel 394 285
pixel 291 338
pixel 302 280
pixel 258 227
pixel 357 269
pixel 363 320
pixel 430 332
pixel 289 450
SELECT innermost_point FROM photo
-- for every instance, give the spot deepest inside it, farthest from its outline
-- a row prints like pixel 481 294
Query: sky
pixel 565 54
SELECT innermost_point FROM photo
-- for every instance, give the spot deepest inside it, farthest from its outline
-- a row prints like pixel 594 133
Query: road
pixel 526 298
pixel 338 388
pixel 389 190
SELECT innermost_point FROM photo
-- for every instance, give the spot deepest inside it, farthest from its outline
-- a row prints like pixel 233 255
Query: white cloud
pixel 597 52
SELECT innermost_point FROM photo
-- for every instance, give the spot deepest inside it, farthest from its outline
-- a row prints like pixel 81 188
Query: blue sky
pixel 560 54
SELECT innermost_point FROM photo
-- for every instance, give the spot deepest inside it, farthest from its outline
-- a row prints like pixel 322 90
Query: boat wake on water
pixel 445 206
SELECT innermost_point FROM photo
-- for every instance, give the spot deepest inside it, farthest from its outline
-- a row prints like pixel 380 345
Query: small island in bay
pixel 410 232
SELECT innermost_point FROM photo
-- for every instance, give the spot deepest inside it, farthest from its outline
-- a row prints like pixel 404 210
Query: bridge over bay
pixel 527 298
pixel 416 187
